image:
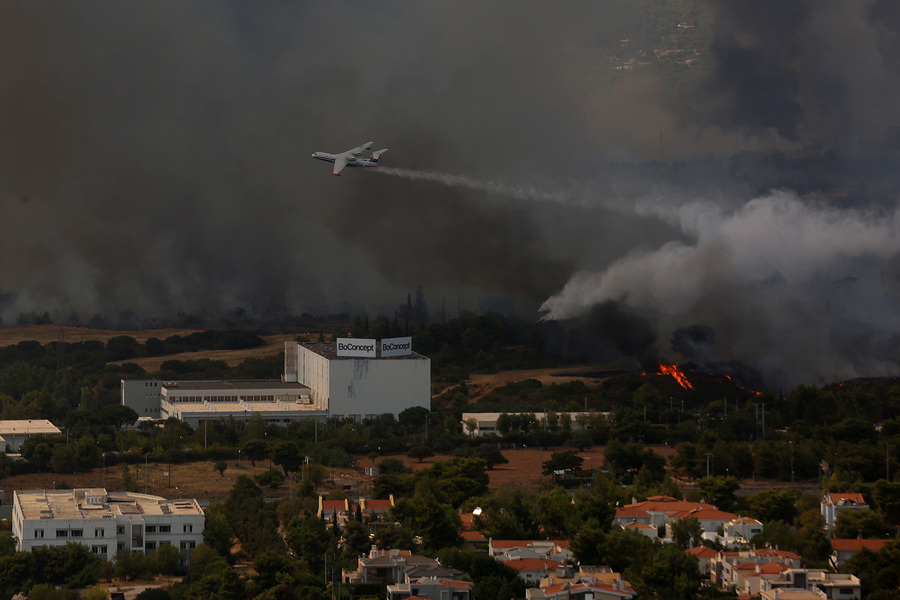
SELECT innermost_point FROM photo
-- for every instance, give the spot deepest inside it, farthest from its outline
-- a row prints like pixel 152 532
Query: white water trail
pixel 489 186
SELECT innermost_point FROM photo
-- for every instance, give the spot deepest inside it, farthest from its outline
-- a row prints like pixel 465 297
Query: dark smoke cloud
pixel 155 159
pixel 819 72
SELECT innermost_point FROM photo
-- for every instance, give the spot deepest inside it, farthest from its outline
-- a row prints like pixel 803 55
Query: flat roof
pixel 268 384
pixel 97 503
pixel 227 408
pixel 328 350
pixel 28 426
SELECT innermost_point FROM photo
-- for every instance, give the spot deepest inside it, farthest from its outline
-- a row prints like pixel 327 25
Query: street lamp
pixel 792 462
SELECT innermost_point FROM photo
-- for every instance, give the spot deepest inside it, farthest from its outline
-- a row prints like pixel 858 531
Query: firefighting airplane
pixel 351 158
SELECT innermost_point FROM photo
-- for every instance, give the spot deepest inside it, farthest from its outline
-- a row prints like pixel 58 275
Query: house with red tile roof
pixel 431 588
pixel 582 589
pixel 655 510
pixel 722 568
pixel 642 528
pixel 704 556
pixel 510 549
pixel 843 549
pixel 374 508
pixel 748 577
pixel 711 519
pixel 834 503
pixel 834 586
pixel 741 530
pixel 532 570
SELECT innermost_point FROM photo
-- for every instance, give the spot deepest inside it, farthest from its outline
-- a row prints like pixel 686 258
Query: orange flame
pixel 676 373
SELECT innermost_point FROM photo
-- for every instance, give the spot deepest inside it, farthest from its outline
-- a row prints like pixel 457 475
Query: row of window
pixel 120 530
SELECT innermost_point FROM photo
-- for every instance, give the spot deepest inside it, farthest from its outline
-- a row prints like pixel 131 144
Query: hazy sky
pixel 155 158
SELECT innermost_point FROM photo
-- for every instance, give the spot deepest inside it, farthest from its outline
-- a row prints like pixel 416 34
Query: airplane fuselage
pixel 352 161
pixel 350 158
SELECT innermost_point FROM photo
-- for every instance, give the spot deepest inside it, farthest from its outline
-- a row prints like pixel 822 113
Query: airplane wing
pixel 340 161
pixel 359 149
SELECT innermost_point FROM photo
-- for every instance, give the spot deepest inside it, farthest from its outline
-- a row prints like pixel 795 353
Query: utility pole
pixel 708 454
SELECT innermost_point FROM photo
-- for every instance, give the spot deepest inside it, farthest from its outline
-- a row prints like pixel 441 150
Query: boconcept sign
pixel 362 348
pixel 396 346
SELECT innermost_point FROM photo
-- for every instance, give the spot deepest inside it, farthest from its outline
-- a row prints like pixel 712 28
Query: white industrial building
pixel 14 433
pixel 320 381
pixel 359 387
pixel 105 522
pixel 196 402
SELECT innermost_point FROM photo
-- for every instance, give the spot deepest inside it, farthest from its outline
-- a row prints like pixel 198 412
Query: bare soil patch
pixel 482 384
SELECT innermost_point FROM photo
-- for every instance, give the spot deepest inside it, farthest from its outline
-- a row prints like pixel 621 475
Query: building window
pixel 120 530
pixel 61 533
pixel 150 529
pixel 150 545
pixel 165 528
pixel 99 550
pixel 77 533
pixel 120 546
pixel 188 545
pixel 188 528
pixel 39 533
pixel 99 532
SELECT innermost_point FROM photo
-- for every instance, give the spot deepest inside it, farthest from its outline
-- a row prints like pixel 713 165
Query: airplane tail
pixel 377 154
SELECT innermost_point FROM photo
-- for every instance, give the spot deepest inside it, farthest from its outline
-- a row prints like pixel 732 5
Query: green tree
pixel 420 452
pixel 673 574
pixel 217 532
pixel 308 537
pixel 720 491
pixel 255 450
pixel 863 522
pixel 491 455
pixel 774 505
pixel 687 532
pixel 562 461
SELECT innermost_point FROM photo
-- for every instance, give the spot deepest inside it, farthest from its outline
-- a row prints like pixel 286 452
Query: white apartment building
pixel 105 522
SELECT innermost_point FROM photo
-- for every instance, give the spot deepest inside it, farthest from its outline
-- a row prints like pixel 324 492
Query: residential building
pixel 385 566
pixel 704 555
pixel 433 588
pixel 533 570
pixel 557 550
pixel 724 570
pixel 582 588
pixel 833 503
pixel 741 530
pixel 834 586
pixel 843 549
pixel 711 519
pixel 791 594
pixel 658 510
pixel 105 522
pixel 642 528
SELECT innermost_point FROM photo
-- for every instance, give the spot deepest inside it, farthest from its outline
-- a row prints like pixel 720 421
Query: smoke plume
pixel 155 161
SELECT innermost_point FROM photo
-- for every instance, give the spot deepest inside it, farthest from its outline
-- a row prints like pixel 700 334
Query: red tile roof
pixel 703 552
pixel 847 496
pixel 533 564
pixel 855 545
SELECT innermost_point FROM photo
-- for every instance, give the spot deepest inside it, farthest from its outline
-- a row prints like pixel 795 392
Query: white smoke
pixel 779 278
